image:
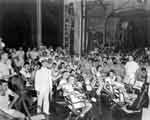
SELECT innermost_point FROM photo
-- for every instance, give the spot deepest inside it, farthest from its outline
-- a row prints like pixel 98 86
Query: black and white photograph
pixel 74 59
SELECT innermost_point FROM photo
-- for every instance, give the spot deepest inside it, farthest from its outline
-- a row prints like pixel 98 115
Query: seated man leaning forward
pixel 77 98
pixel 5 104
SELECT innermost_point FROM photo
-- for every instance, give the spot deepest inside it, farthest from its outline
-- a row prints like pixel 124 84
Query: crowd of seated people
pixel 123 78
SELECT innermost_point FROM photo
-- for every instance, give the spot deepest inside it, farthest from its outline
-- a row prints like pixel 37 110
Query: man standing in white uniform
pixel 131 68
pixel 43 85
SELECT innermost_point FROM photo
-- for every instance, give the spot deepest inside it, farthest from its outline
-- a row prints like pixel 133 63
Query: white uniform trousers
pixel 43 100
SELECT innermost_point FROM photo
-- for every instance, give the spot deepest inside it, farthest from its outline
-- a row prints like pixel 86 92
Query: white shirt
pixel 110 80
pixel 4 70
pixel 19 62
pixel 34 54
pixel 62 83
pixel 25 73
pixel 131 67
pixel 2 45
pixel 4 100
pixel 148 74
pixel 20 53
pixel 43 80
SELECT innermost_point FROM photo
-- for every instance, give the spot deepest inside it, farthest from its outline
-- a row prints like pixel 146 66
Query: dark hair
pixel 26 63
pixel 36 64
pixel 2 81
pixel 143 69
pixel 64 72
pixel 59 66
pixel 98 67
pixel 16 84
pixel 54 63
pixel 72 70
pixel 110 72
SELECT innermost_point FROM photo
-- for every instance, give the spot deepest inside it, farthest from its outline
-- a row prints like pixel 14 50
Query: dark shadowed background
pixel 18 22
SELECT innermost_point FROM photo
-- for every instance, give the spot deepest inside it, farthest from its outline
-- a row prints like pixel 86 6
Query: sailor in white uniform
pixel 43 85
